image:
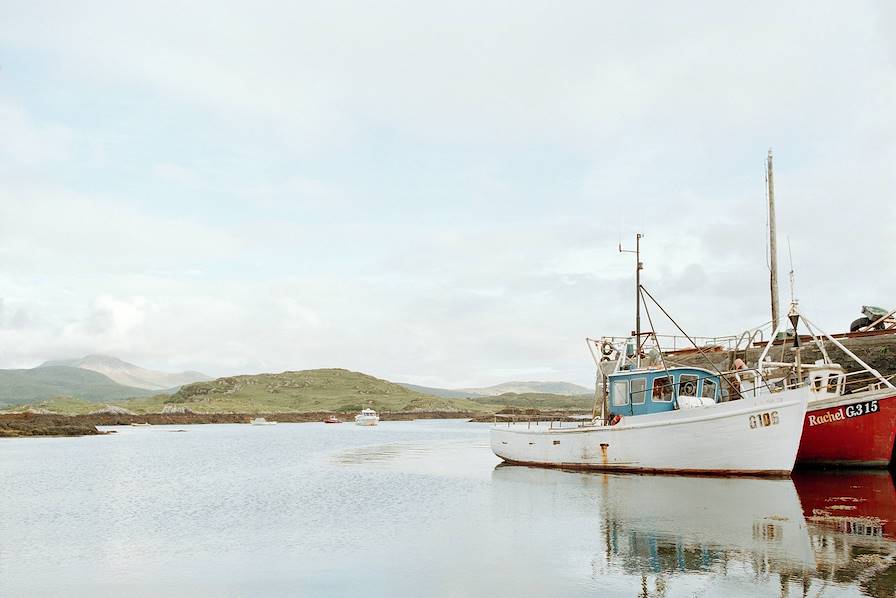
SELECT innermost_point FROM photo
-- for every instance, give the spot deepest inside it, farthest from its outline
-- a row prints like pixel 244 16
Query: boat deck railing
pixel 673 343
pixel 545 421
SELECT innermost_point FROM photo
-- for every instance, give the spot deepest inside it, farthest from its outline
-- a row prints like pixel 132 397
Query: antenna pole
pixel 639 266
pixel 638 291
pixel 772 239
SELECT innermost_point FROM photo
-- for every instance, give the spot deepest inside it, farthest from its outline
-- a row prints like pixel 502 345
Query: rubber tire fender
pixel 860 323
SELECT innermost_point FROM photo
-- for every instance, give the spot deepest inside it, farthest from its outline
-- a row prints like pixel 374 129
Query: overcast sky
pixel 431 193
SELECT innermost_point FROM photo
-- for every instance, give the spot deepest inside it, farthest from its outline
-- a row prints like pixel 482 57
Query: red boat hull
pixel 853 430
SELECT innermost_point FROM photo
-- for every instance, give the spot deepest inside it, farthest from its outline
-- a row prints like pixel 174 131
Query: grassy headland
pixel 333 390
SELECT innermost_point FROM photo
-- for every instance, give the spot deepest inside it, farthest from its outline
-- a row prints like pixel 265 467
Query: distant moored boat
pixel 260 421
pixel 367 417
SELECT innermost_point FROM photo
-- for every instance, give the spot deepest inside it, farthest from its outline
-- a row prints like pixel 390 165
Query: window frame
pixel 624 394
pixel 837 378
pixel 681 382
pixel 663 382
pixel 641 394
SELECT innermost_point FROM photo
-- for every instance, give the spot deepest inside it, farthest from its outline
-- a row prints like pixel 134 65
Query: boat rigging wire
pixel 659 349
pixel 702 353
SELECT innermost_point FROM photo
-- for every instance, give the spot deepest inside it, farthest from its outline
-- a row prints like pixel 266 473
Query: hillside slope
pixel 537 400
pixel 43 383
pixel 554 388
pixel 129 374
pixel 445 393
pixel 308 390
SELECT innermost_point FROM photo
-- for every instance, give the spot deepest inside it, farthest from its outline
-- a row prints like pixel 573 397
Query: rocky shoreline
pixel 13 425
pixel 39 424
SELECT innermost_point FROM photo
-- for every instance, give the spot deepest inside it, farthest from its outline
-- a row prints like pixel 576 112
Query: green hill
pixel 18 387
pixel 537 400
pixel 308 390
pixel 61 405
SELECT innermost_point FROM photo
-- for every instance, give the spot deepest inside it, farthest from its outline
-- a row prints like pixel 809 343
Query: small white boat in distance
pixel 260 421
pixel 367 417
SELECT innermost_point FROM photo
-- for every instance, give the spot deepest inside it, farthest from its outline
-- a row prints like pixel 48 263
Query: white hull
pixel 717 439
pixel 367 421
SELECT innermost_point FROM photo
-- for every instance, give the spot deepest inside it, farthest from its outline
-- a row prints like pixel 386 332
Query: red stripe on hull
pixel 850 432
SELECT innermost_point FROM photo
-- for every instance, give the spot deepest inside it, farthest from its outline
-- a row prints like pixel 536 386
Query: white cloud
pixel 430 192
pixel 24 143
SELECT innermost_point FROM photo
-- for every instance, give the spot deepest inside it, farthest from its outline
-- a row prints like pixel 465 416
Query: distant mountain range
pixel 105 379
pixel 532 387
pixel 445 393
pixel 39 384
pixel 129 374
pixel 94 378
pixel 554 388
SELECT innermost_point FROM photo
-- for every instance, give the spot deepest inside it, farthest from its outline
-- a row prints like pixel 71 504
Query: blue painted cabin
pixel 641 392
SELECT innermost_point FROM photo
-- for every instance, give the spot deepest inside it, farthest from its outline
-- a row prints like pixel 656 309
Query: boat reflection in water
pixel 678 535
pixel 851 518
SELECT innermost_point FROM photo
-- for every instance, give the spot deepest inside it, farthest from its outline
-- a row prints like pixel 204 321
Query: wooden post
pixel 772 239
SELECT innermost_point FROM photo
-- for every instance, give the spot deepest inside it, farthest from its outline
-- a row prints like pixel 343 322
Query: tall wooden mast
pixel 772 239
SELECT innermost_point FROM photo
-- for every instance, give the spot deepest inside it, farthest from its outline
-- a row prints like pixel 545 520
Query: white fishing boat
pixel 367 417
pixel 755 437
pixel 260 421
pixel 656 417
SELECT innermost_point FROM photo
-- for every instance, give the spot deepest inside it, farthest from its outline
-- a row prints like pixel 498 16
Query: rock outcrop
pixel 112 410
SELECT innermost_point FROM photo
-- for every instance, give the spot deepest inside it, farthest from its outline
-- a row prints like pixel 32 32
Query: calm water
pixel 414 509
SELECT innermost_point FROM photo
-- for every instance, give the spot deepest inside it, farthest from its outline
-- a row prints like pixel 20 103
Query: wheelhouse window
pixel 833 383
pixel 662 389
pixel 709 389
pixel 639 391
pixel 687 385
pixel 620 393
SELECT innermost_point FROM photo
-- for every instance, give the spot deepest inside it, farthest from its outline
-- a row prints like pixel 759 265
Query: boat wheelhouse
pixel 645 391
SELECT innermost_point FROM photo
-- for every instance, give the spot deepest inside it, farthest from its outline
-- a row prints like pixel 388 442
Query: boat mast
pixel 638 267
pixel 772 238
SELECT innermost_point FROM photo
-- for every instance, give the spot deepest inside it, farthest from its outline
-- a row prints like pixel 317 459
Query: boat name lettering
pixel 842 413
pixel 764 420
pixel 861 409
